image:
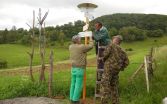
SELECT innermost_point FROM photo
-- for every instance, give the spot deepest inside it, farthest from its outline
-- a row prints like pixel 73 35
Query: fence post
pixel 146 73
pixel 150 60
pixel 50 75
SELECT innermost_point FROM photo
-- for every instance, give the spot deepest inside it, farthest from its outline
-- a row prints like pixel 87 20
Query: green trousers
pixel 76 83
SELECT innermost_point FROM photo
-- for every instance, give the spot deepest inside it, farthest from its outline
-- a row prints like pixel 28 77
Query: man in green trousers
pixel 78 60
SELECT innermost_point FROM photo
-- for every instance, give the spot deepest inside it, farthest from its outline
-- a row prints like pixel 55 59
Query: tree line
pixel 133 27
pixel 58 33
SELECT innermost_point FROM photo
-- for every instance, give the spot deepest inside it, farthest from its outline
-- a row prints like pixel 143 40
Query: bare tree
pixel 32 46
pixel 42 44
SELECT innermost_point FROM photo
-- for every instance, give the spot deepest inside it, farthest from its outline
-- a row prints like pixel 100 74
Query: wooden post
pixel 50 75
pixel 42 44
pixel 32 47
pixel 150 61
pixel 136 72
pixel 146 73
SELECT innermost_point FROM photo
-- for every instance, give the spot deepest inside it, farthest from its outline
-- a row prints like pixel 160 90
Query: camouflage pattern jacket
pixel 115 58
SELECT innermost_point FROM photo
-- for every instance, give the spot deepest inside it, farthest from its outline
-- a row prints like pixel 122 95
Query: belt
pixel 80 66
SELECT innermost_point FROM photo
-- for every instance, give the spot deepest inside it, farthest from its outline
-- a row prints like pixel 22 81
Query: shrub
pixel 128 49
pixel 155 33
pixel 26 39
pixel 132 34
pixel 113 31
pixel 3 63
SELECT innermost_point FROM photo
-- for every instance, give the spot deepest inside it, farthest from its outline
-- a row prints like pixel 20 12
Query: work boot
pixel 75 102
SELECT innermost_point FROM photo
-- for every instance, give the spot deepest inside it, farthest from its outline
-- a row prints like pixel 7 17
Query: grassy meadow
pixel 16 55
pixel 130 92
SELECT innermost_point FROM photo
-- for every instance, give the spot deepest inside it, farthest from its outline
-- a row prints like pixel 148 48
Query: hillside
pixel 143 21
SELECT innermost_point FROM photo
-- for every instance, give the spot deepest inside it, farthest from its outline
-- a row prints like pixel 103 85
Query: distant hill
pixel 131 26
pixel 142 21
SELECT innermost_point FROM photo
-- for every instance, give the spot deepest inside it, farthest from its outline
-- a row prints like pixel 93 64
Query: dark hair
pixel 97 22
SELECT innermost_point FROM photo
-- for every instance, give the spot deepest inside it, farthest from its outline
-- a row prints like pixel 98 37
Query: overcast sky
pixel 19 12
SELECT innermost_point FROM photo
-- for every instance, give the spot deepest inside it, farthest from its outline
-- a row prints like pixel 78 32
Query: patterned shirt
pixel 115 57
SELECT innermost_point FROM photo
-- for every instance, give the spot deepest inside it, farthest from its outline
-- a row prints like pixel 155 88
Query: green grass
pixel 130 93
pixel 16 55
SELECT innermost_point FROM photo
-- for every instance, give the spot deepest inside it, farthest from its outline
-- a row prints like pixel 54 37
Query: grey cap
pixel 118 36
pixel 75 38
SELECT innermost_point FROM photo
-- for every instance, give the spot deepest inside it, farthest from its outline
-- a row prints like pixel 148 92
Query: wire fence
pixel 19 83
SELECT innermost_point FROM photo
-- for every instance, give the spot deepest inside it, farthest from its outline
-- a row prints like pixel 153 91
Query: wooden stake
pixel 32 47
pixel 50 75
pixel 42 44
pixel 136 72
pixel 146 73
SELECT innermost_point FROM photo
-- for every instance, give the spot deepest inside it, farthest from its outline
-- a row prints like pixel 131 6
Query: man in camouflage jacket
pixel 115 60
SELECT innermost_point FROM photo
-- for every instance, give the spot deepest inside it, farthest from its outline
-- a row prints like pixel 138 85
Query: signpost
pixel 87 8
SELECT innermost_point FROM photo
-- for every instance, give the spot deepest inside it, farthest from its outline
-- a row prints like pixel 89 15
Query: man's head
pixel 76 39
pixel 98 25
pixel 117 39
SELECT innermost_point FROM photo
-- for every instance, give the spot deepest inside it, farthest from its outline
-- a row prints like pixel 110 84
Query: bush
pixel 3 63
pixel 128 49
pixel 113 31
pixel 155 33
pixel 26 39
pixel 132 34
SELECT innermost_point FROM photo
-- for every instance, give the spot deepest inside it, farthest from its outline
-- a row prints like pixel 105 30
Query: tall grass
pixel 135 92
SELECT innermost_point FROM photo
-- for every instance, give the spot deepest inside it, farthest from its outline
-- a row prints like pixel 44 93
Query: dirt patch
pixel 33 100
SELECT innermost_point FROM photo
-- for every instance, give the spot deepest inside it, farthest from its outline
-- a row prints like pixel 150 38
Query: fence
pixel 148 65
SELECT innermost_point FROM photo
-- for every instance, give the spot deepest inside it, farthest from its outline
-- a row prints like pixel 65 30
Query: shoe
pixel 75 102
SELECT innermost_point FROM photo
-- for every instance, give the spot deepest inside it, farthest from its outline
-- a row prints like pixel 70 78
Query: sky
pixel 19 12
